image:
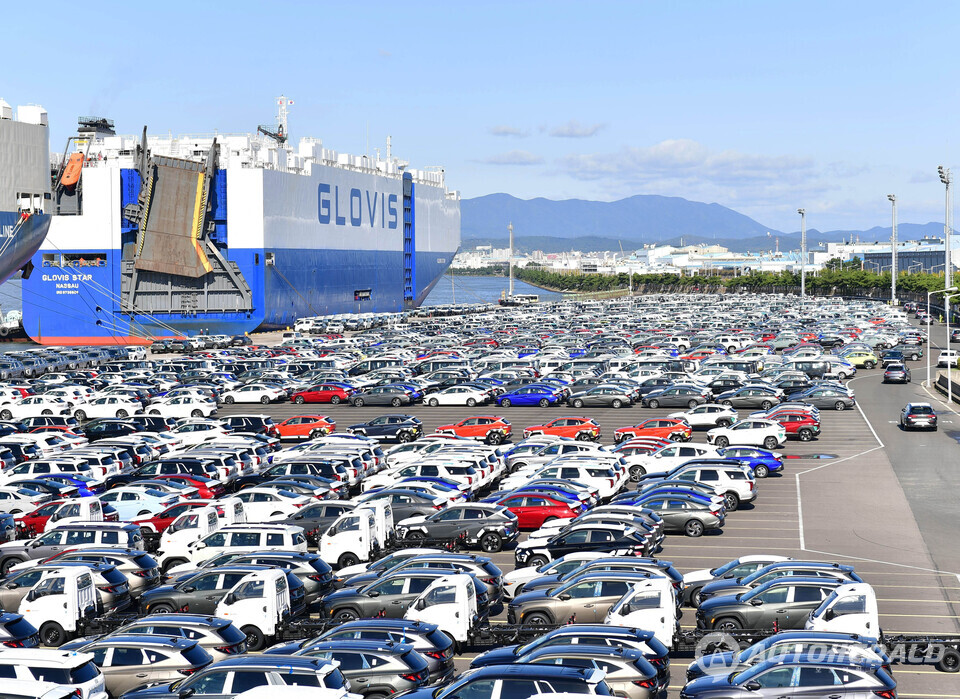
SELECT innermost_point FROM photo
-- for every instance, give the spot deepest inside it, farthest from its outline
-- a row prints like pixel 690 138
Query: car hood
pixel 360 579
pixel 15 547
pixel 724 586
pixel 696 576
pixel 158 690
pixel 526 597
pixel 542 582
pixel 504 655
pixel 709 606
pixel 338 595
pixel 156 592
pixel 410 521
pixel 711 664
pixel 707 684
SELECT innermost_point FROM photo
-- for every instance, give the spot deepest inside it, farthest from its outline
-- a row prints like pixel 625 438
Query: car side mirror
pixel 31 596
pixel 374 593
pixel 188 692
pixel 751 686
pixel 35 544
pixel 829 614
pixel 189 588
pixel 564 597
pixel 756 601
pixel 11 586
pixel 230 599
pixel 421 604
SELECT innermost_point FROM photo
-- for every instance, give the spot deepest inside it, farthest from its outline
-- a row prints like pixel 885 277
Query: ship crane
pixel 278 134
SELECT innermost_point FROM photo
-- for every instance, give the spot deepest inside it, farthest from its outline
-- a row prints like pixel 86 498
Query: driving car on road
pixel 918 416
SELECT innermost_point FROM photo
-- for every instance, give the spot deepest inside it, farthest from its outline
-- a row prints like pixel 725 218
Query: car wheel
pixel 722 442
pixel 491 542
pixel 693 527
pixel 731 501
pixel 505 403
pixel 761 471
pixel 616 403
pixel 494 438
pixel 335 400
pixel 433 402
pixel 255 639
pixel 161 608
pixel 536 619
pixel 805 435
pixel 842 375
pixel 583 437
pixel 727 624
pixel 766 405
pixel 517 466
pixel 347 559
pixel 724 422
pixel 300 400
pixel 197 413
pixel 727 403
pixel 143 513
pixel 471 402
pixel 840 405
pixel 949 661
pixel 358 402
pixel 6 414
pixel 415 536
pixel 405 436
pixel 154 412
pixel 46 412
pixel 537 561
pixel 770 443
pixel 694 596
pixel 228 400
pixel 52 635
pixel 544 403
pixel 868 365
pixel 578 403
pixel 549 519
pixel 7 565
pixel 265 400
pixel 653 403
pixel 636 472
pixel 122 413
pixel 396 402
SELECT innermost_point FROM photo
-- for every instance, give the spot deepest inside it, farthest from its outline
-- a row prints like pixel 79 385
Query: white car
pixel 669 456
pixel 458 395
pixel 254 393
pixel 707 415
pixel 16 500
pixel 31 406
pixel 948 358
pixel 183 406
pixel 752 432
pixel 107 406
pixel 267 504
pixel 193 432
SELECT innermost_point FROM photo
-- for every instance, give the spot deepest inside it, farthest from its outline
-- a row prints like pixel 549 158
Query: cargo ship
pixel 173 236
pixel 24 189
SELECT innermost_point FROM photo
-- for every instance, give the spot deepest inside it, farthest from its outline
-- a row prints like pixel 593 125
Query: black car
pixel 403 428
pixel 316 519
pixel 331 470
pixel 487 527
pixel 257 424
pixel 405 503
pixel 585 537
pixel 108 428
pixel 163 467
pixel 152 423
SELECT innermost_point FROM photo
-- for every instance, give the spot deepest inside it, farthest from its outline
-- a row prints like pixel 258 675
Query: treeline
pixel 824 280
pixel 489 271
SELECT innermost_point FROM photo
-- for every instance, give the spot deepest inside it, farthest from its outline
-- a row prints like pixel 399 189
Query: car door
pixel 577 601
pixel 608 593
pixel 16 586
pixel 446 525
pixel 803 599
pixel 569 542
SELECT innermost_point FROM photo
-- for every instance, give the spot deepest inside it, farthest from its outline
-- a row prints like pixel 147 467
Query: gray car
pixel 628 673
pixel 375 669
pixel 783 603
pixel 601 396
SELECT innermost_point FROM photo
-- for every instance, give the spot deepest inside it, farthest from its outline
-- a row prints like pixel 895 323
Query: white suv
pixel 734 485
pixel 74 670
pixel 751 432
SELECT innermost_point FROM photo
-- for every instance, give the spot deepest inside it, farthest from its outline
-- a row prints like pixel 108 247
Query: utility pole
pixel 947 229
pixel 510 228
pixel 893 252
pixel 803 252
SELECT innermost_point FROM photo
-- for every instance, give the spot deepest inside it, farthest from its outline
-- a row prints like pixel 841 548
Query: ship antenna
pixel 280 135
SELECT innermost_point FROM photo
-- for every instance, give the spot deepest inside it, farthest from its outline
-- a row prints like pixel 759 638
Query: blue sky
pixel 760 106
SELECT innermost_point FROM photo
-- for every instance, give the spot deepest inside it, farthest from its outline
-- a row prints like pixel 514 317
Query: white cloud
pixel 574 129
pixel 514 157
pixel 503 130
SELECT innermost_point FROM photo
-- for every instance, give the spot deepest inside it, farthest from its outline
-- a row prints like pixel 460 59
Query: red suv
pixel 798 425
pixel 582 428
pixel 492 429
pixel 533 509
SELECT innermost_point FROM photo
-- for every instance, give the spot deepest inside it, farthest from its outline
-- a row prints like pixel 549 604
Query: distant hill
pixel 589 226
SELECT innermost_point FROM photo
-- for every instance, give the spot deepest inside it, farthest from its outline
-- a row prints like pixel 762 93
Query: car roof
pixel 183 620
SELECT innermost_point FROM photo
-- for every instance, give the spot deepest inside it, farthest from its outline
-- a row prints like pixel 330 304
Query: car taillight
pixel 142 573
pixel 438 507
pixel 187 670
pixel 414 676
pixel 750 484
pixel 13 644
pixel 228 650
pixel 887 693
pixel 715 513
pixel 109 588
pixel 435 654
pixel 646 684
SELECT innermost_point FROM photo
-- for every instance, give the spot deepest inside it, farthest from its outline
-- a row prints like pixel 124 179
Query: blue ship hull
pixel 22 237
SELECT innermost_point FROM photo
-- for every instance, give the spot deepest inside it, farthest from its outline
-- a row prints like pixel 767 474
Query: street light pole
pixel 893 251
pixel 929 328
pixel 803 252
pixel 947 230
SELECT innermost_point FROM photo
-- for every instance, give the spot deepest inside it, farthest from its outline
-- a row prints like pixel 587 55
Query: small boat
pixel 71 172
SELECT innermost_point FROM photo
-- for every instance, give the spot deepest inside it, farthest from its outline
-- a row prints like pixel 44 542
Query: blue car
pixel 666 491
pixel 531 394
pixel 766 461
pixel 85 485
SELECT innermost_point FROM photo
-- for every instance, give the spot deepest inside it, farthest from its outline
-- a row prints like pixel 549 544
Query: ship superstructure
pixel 164 236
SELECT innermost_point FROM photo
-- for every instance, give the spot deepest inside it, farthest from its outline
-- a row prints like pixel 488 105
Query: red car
pixel 34 522
pixel 582 428
pixel 489 428
pixel 533 509
pixel 664 427
pixel 306 427
pixel 798 425
pixel 323 393
pixel 159 522
pixel 207 488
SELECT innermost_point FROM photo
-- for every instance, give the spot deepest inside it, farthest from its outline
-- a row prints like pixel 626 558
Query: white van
pixel 186 529
pixel 248 538
pixel 58 604
pixel 449 602
pixel 76 669
pixel 351 538
pixel 849 609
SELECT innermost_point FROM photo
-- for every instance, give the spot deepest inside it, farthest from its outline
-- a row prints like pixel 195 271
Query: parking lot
pixel 864 493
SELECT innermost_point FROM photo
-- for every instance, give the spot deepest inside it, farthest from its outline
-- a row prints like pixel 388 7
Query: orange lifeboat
pixel 71 173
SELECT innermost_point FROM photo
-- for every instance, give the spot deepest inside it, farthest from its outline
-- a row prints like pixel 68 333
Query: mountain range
pixel 578 224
